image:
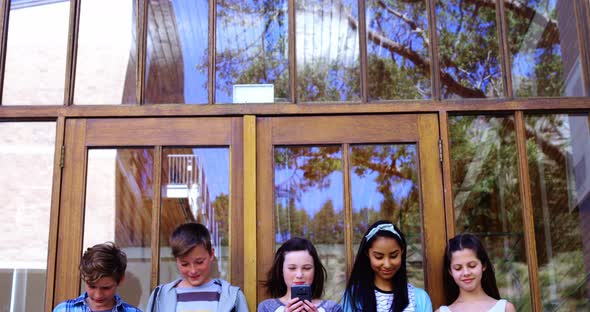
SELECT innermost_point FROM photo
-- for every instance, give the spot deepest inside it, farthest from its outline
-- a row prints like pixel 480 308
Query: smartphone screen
pixel 303 292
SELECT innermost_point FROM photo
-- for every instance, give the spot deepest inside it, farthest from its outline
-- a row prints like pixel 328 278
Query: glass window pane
pixel 327 48
pixel 36 56
pixel 252 52
pixel 119 196
pixel 309 203
pixel 26 166
pixel 106 63
pixel 177 58
pixel 195 188
pixel 397 47
pixel 487 202
pixel 384 185
pixel 544 51
pixel 470 62
pixel 558 148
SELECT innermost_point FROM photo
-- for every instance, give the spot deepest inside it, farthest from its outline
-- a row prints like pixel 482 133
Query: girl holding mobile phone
pixel 296 263
pixel 470 283
pixel 379 281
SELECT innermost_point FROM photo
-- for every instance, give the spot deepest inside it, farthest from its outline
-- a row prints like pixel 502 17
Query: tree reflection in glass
pixel 384 185
pixel 397 48
pixel 309 203
pixel 252 47
pixel 542 41
pixel 558 147
pixel 309 200
pixel 327 47
pixel 486 197
pixel 470 65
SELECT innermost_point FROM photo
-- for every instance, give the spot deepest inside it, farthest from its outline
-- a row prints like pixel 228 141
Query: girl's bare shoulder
pixel 510 307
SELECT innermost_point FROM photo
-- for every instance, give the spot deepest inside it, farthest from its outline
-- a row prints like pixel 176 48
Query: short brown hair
pixel 187 236
pixel 103 260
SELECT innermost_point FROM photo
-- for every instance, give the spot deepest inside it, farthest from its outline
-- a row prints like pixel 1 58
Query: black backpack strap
pixel 155 302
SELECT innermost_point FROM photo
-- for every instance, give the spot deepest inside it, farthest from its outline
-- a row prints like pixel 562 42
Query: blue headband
pixel 383 227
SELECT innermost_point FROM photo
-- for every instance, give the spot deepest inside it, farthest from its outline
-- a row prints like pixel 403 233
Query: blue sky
pixel 364 189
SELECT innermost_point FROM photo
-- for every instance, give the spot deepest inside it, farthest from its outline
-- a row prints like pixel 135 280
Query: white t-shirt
pixel 500 306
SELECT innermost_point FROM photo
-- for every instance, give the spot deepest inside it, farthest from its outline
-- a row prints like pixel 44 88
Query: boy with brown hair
pixel 195 289
pixel 102 269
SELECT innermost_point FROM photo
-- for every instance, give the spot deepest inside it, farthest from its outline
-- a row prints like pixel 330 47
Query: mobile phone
pixel 303 292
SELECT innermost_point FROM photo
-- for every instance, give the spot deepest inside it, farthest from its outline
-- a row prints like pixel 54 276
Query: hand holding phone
pixel 303 292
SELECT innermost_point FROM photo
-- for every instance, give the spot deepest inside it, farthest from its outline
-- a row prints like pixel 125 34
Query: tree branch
pixel 419 61
pixel 551 31
pixel 413 25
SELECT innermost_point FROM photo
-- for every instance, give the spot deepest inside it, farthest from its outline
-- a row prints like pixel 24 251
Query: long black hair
pixel 275 282
pixel 488 279
pixel 360 289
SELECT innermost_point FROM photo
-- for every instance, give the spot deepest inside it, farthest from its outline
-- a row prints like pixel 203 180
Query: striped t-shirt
pixel 204 298
pixel 384 299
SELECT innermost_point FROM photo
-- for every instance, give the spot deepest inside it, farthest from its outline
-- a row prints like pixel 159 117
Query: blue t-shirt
pixel 79 305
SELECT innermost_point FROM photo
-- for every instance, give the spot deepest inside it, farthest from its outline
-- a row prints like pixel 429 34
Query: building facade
pixel 269 119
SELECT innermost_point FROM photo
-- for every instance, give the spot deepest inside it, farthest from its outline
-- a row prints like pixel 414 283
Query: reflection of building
pixel 185 198
pixel 580 153
pixel 26 159
pixel 572 67
pixel 184 185
pixel 181 66
pixel 187 180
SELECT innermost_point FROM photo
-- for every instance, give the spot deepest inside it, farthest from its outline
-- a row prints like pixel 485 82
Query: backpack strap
pixel 155 302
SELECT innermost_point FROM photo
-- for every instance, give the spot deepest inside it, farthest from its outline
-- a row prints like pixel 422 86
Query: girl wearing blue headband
pixel 379 281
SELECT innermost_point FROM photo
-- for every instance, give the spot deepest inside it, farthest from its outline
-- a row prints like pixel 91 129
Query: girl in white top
pixel 470 283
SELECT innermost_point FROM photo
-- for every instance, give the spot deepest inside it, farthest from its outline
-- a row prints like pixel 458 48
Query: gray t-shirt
pixel 275 305
pixel 202 298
